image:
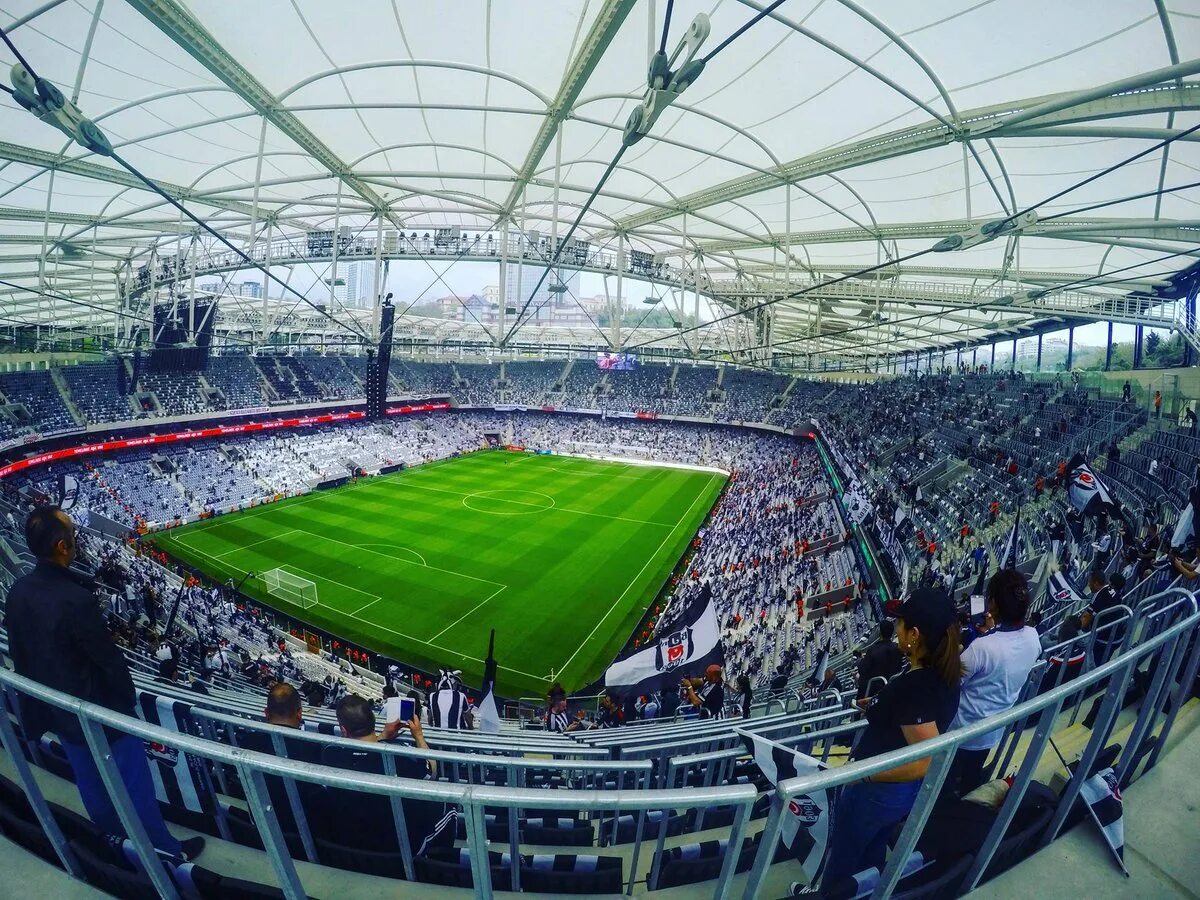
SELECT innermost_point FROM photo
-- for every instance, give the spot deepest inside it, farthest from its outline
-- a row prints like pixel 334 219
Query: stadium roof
pixel 824 139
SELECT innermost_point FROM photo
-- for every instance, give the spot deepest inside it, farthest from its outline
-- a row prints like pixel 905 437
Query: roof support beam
pixel 990 121
pixel 42 160
pixel 604 29
pixel 1187 231
pixel 180 26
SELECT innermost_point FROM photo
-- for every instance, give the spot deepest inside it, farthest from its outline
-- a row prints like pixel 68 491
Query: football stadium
pixel 560 556
pixel 599 447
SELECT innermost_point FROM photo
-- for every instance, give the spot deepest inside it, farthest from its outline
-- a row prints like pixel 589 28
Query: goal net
pixel 293 588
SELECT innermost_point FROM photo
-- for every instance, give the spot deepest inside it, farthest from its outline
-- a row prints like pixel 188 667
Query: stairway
pixel 65 393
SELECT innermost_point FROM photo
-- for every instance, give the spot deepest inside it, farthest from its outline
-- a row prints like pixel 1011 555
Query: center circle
pixel 508 503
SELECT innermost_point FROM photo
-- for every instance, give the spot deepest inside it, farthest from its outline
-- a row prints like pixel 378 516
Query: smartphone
pixel 393 709
pixel 978 604
pixel 408 708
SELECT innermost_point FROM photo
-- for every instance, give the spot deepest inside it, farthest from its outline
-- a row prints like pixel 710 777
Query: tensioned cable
pixel 662 43
pixel 1130 198
pixel 796 294
pixel 302 298
pixel 153 186
pixel 1166 142
pixel 1092 282
pixel 616 159
pixel 562 243
pixel 577 301
pixel 867 271
pixel 75 301
pixel 766 11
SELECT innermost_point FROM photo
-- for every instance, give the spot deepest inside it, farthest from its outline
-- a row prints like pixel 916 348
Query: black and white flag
pixel 862 884
pixel 1089 494
pixel 805 829
pixel 1059 591
pixel 489 715
pixel 68 490
pixel 688 646
pixel 1012 546
pixel 180 779
pixel 817 678
pixel 1103 798
pixel 1184 536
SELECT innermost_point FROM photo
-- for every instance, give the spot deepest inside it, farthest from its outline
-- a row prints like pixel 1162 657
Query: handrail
pixel 252 766
pixel 940 750
pixel 597 764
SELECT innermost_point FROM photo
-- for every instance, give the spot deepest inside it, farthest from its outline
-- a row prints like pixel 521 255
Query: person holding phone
pixel 373 826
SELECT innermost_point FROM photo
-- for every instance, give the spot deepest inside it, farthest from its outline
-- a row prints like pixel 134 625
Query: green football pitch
pixel 561 555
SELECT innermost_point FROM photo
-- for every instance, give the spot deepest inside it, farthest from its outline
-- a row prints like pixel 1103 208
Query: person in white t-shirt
pixel 996 667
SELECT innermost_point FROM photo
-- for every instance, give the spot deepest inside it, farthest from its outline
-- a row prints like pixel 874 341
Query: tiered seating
pixel 333 375
pixel 748 394
pixel 481 381
pixel 689 396
pixel 93 389
pixel 280 379
pixel 529 381
pixel 643 389
pixel 236 376
pixel 579 389
pixel 424 379
pixel 38 392
pixel 306 388
pixel 178 393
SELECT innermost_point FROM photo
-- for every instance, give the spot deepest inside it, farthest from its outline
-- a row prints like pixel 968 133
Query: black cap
pixel 931 612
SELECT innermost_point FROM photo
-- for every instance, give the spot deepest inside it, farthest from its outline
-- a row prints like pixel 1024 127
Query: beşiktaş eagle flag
pixel 1012 546
pixel 1103 798
pixel 180 779
pixel 1060 591
pixel 805 829
pixel 688 645
pixel 489 715
pixel 1184 535
pixel 1089 494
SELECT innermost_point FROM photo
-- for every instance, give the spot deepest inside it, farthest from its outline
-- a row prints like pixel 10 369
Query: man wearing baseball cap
pixel 915 706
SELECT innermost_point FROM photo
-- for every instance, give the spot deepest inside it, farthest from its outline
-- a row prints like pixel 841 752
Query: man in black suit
pixel 57 636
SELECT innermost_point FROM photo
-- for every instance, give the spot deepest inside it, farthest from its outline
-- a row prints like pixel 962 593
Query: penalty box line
pixel 408 637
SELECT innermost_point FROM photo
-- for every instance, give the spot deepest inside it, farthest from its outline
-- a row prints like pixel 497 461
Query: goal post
pixel 292 588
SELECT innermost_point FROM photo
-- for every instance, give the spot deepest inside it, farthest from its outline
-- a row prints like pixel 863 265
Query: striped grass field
pixel 561 555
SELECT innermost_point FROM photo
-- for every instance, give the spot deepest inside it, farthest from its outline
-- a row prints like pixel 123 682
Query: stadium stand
pixel 775 547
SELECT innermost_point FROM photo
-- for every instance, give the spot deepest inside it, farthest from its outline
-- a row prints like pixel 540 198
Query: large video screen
pixel 618 362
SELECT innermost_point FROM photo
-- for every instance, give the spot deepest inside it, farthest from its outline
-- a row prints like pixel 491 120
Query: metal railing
pixel 1174 657
pixel 1159 631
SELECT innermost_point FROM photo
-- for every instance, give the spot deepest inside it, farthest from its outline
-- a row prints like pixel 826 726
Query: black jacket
pixel 56 635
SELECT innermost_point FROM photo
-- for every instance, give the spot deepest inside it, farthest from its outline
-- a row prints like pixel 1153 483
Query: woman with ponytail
pixel 918 705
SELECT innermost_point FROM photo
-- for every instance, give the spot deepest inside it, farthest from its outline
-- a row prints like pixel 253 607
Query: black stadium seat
pixel 572 874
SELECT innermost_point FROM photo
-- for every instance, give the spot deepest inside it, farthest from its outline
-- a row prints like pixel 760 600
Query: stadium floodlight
pixel 292 588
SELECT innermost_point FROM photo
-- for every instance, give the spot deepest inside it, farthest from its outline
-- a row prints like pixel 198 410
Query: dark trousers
pixel 966 771
pixel 129 753
pixel 863 819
